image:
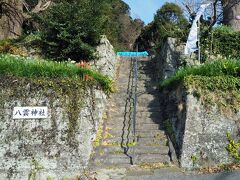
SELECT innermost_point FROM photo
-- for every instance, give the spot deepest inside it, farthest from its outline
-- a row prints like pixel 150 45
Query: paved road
pixel 235 175
pixel 161 174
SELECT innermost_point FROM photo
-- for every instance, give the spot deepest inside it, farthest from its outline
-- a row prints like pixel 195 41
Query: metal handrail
pixel 135 99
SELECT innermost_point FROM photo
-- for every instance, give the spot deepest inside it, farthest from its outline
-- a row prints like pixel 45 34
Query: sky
pixel 145 9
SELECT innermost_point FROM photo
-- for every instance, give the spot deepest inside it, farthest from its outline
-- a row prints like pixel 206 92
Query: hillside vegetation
pixel 72 29
pixel 41 69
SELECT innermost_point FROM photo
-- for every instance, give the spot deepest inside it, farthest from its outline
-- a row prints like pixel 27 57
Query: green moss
pixel 71 94
pixel 49 178
pixel 214 83
pixel 194 159
pixel 233 148
pixel 35 168
pixel 99 136
pixel 223 91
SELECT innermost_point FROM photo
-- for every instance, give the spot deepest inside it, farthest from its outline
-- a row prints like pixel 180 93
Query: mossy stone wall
pixel 58 146
pixel 199 131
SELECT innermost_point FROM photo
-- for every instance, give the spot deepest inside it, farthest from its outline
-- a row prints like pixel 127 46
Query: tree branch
pixel 41 7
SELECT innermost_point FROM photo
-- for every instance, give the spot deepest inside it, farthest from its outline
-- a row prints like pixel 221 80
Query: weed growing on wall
pixel 216 82
pixel 233 147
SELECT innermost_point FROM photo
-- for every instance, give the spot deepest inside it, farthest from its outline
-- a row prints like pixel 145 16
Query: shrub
pixel 7 46
pixel 230 68
pixel 169 21
pixel 72 29
pixel 222 41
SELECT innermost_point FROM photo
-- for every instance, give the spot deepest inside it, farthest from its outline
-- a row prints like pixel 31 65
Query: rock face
pixel 60 145
pixel 106 64
pixel 47 147
pixel 198 133
pixel 169 59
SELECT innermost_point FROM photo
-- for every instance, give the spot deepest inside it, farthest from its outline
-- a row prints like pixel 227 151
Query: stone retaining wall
pixel 60 145
pixel 199 134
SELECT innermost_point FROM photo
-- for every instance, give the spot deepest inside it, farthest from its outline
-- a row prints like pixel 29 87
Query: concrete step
pixel 151 142
pixel 138 149
pixel 149 126
pixel 123 109
pixel 147 72
pixel 139 115
pixel 146 89
pixel 151 134
pixel 140 102
pixel 143 120
pixel 121 138
pixel 138 126
pixel 140 133
pixel 144 83
pixel 111 160
pixel 120 122
pixel 148 139
pixel 113 122
pixel 148 114
pixel 151 158
pixel 150 96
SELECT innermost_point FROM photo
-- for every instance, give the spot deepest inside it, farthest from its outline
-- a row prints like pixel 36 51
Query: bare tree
pixel 225 11
pixel 13 13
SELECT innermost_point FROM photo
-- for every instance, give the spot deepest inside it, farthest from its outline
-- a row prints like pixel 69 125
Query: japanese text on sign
pixel 30 112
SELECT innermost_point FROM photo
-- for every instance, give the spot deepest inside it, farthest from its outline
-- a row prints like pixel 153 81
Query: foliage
pixel 72 29
pixel 218 68
pixel 223 41
pixel 33 68
pixel 233 147
pixel 169 21
pixel 214 84
pixel 120 28
pixel 7 46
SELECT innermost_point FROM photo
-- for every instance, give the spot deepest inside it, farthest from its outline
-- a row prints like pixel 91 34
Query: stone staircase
pixel 118 148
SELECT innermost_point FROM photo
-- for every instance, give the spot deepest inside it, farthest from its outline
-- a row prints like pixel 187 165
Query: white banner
pixel 191 44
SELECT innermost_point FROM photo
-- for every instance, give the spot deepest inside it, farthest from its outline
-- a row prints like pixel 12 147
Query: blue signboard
pixel 133 54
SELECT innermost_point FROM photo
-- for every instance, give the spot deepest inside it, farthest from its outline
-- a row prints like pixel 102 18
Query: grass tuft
pixel 228 68
pixel 33 68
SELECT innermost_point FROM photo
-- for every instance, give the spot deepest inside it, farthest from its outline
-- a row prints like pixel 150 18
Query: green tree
pixel 120 28
pixel 72 29
pixel 169 21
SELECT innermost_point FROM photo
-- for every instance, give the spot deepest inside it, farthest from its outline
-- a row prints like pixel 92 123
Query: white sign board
pixel 30 112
